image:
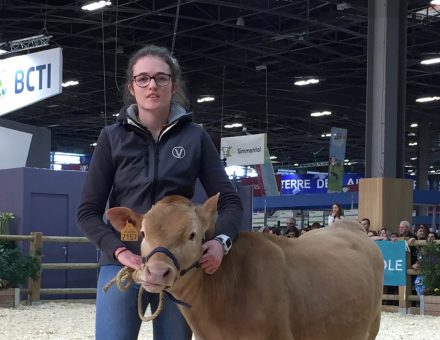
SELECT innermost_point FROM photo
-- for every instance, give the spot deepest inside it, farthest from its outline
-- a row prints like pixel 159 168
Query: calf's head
pixel 172 235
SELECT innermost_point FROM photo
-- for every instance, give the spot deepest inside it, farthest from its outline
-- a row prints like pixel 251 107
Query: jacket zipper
pixel 156 152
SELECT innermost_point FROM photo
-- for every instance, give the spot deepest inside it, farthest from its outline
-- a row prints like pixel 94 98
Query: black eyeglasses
pixel 143 79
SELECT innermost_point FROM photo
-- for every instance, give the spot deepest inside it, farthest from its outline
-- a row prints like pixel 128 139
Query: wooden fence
pixel 34 290
pixel 36 240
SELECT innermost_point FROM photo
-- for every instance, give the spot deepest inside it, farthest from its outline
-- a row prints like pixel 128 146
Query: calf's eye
pixel 142 234
pixel 191 236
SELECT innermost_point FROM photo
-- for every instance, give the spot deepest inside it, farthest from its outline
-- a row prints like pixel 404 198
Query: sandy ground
pixel 69 320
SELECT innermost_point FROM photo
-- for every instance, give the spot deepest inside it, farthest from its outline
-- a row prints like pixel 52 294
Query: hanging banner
pixel 266 176
pixel 338 141
pixel 243 150
pixel 29 78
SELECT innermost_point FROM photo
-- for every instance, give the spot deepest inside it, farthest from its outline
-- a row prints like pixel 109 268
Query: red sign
pixel 255 183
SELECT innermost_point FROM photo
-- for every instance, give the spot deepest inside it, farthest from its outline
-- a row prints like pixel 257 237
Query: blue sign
pixel 394 261
pixel 294 184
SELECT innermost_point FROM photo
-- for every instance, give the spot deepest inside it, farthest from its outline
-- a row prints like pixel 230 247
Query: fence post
pixel 35 249
pixel 405 291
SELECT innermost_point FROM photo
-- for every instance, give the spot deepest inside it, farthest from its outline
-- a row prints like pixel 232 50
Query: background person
pixel 153 150
pixel 365 222
pixel 336 214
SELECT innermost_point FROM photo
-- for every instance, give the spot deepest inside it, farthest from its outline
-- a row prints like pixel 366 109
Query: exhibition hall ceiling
pixel 247 54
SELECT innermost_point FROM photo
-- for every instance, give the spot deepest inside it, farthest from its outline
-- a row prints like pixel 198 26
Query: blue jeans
pixel 117 315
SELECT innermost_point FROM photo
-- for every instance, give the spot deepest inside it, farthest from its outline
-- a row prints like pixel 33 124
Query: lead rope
pixel 124 279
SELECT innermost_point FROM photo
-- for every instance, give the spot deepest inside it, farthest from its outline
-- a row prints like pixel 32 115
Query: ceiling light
pixel 328 134
pixel 70 83
pixel 305 82
pixel 273 157
pixel 430 61
pixel 427 99
pixel 414 125
pixel 96 5
pixel 320 114
pixel 115 114
pixel 296 164
pixel 93 144
pixel 205 99
pixel 413 158
pixel 233 125
pixel 411 134
pixel 412 144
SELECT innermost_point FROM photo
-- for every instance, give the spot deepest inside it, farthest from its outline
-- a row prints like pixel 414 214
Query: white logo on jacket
pixel 178 152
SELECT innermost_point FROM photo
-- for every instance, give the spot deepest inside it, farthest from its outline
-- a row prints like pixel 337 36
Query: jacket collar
pixel 130 114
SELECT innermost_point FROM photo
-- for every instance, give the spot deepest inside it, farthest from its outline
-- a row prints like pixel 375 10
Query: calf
pixel 325 285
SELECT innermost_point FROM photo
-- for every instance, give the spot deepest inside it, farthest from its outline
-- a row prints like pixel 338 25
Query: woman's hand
pixel 127 258
pixel 212 256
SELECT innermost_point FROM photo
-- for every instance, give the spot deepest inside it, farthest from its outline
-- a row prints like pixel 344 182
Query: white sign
pixel 243 150
pixel 14 148
pixel 30 78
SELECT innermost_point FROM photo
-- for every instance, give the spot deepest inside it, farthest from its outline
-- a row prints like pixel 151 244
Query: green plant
pixel 430 268
pixel 16 268
pixel 5 217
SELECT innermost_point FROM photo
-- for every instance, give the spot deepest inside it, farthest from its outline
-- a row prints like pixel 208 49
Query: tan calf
pixel 325 285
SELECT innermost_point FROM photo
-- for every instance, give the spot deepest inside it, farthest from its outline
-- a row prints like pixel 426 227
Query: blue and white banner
pixel 394 261
pixel 29 78
pixel 295 184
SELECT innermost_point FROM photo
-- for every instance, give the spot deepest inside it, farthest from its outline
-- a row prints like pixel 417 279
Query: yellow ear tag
pixel 129 233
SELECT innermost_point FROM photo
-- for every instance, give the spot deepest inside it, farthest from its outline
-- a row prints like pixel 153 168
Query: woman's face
pixel 420 233
pixel 335 209
pixel 152 97
pixel 383 233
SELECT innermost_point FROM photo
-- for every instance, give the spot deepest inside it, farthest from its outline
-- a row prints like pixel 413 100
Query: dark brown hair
pixel 179 96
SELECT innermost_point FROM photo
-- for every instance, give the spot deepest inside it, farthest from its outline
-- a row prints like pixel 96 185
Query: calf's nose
pixel 157 273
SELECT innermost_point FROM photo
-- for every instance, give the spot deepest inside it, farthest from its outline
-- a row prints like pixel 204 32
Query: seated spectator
pixel 404 230
pixel 372 233
pixel 394 237
pixel 315 225
pixel 384 233
pixel 365 222
pixel 291 227
pixel 431 237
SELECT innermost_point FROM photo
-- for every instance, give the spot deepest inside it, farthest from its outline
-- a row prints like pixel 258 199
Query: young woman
pixel 153 150
pixel 337 213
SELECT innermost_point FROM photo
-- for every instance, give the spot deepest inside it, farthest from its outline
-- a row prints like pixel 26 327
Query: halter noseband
pixel 182 272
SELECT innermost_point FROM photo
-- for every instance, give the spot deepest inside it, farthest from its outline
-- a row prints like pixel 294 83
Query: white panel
pixel 14 148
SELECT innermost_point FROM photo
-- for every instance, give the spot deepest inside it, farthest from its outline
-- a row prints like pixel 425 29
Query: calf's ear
pixel 208 214
pixel 119 216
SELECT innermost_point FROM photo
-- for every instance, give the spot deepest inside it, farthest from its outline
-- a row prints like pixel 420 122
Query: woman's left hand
pixel 212 256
